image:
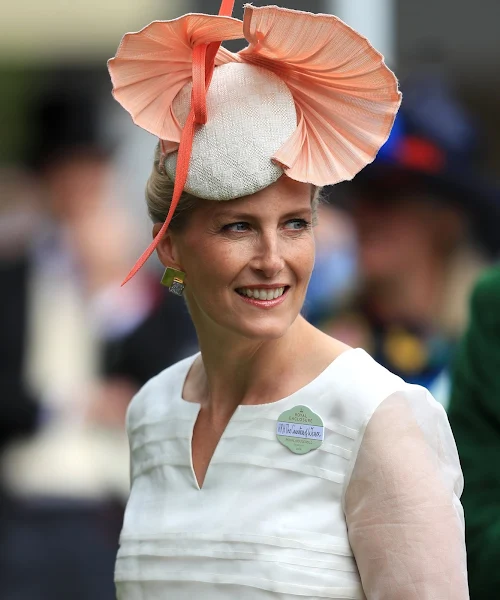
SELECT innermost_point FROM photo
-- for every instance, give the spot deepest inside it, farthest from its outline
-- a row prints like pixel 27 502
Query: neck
pixel 242 371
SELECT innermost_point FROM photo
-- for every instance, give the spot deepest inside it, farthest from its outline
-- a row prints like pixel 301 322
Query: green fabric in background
pixel 474 415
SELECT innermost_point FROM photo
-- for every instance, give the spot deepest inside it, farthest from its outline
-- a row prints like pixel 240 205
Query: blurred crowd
pixel 399 251
pixel 424 223
pixel 75 347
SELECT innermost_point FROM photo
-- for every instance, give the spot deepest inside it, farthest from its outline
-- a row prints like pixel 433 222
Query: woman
pixel 278 462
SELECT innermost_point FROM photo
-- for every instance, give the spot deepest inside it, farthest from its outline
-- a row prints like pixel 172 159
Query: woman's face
pixel 248 261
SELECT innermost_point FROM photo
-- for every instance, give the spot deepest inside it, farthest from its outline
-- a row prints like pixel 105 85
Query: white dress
pixel 373 513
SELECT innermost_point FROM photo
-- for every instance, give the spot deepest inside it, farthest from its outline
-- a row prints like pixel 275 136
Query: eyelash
pixel 304 225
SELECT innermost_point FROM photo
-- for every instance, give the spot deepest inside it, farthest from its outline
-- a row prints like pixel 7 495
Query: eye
pixel 297 224
pixel 236 227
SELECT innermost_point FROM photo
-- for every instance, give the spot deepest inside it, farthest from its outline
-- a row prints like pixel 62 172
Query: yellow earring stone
pixel 174 280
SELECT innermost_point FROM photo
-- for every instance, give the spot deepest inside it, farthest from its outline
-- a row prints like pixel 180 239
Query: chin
pixel 264 330
pixel 250 324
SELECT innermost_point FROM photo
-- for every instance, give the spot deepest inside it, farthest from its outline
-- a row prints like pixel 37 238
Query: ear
pixel 167 249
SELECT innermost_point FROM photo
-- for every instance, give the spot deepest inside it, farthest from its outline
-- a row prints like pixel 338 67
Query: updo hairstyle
pixel 160 189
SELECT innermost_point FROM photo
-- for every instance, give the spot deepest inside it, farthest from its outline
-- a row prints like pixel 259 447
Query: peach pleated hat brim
pixel 346 98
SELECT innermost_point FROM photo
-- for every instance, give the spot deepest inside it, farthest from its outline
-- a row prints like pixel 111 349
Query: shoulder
pixel 359 384
pixel 154 400
pixel 385 411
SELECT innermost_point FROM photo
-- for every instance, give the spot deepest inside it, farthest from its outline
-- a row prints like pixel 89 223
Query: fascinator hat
pixel 308 97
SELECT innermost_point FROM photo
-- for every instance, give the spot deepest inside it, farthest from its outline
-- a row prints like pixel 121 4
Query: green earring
pixel 174 280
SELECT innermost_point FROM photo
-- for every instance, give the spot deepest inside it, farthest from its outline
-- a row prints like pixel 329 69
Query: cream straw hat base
pixel 251 114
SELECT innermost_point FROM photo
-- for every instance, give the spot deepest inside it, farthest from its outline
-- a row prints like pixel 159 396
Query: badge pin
pixel 300 429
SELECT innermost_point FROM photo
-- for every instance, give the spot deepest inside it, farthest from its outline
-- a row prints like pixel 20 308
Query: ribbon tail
pixel 184 157
pixel 203 68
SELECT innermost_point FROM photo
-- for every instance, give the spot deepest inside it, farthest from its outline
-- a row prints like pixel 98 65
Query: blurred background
pixel 399 250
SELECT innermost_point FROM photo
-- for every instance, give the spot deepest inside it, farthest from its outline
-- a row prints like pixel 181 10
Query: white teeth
pixel 267 294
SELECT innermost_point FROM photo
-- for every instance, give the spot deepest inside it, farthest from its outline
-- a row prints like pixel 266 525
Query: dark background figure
pixel 474 414
pixel 19 411
pixel 426 225
pixel 58 530
pixel 75 348
pixel 64 452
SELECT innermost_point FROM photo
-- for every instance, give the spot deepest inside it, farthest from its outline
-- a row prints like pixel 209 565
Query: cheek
pixel 301 258
pixel 213 265
pixel 225 265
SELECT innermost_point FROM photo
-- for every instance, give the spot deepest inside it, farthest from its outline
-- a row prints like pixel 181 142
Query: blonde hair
pixel 160 189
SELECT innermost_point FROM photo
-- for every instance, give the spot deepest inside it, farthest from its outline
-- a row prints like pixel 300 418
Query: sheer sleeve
pixel 402 506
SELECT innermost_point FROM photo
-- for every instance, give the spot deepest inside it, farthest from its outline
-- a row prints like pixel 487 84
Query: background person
pixel 475 417
pixel 64 471
pixel 426 224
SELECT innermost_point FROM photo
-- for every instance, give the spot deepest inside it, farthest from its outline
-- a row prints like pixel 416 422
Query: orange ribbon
pixel 203 69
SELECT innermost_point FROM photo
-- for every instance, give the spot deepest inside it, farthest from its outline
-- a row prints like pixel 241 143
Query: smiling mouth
pixel 261 293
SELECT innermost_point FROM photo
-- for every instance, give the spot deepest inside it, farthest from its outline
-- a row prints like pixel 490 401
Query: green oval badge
pixel 300 430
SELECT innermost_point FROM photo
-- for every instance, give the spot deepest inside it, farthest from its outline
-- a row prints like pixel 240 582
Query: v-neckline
pixel 191 460
pixel 255 407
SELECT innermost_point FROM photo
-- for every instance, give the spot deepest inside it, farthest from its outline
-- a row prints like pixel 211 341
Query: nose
pixel 268 257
